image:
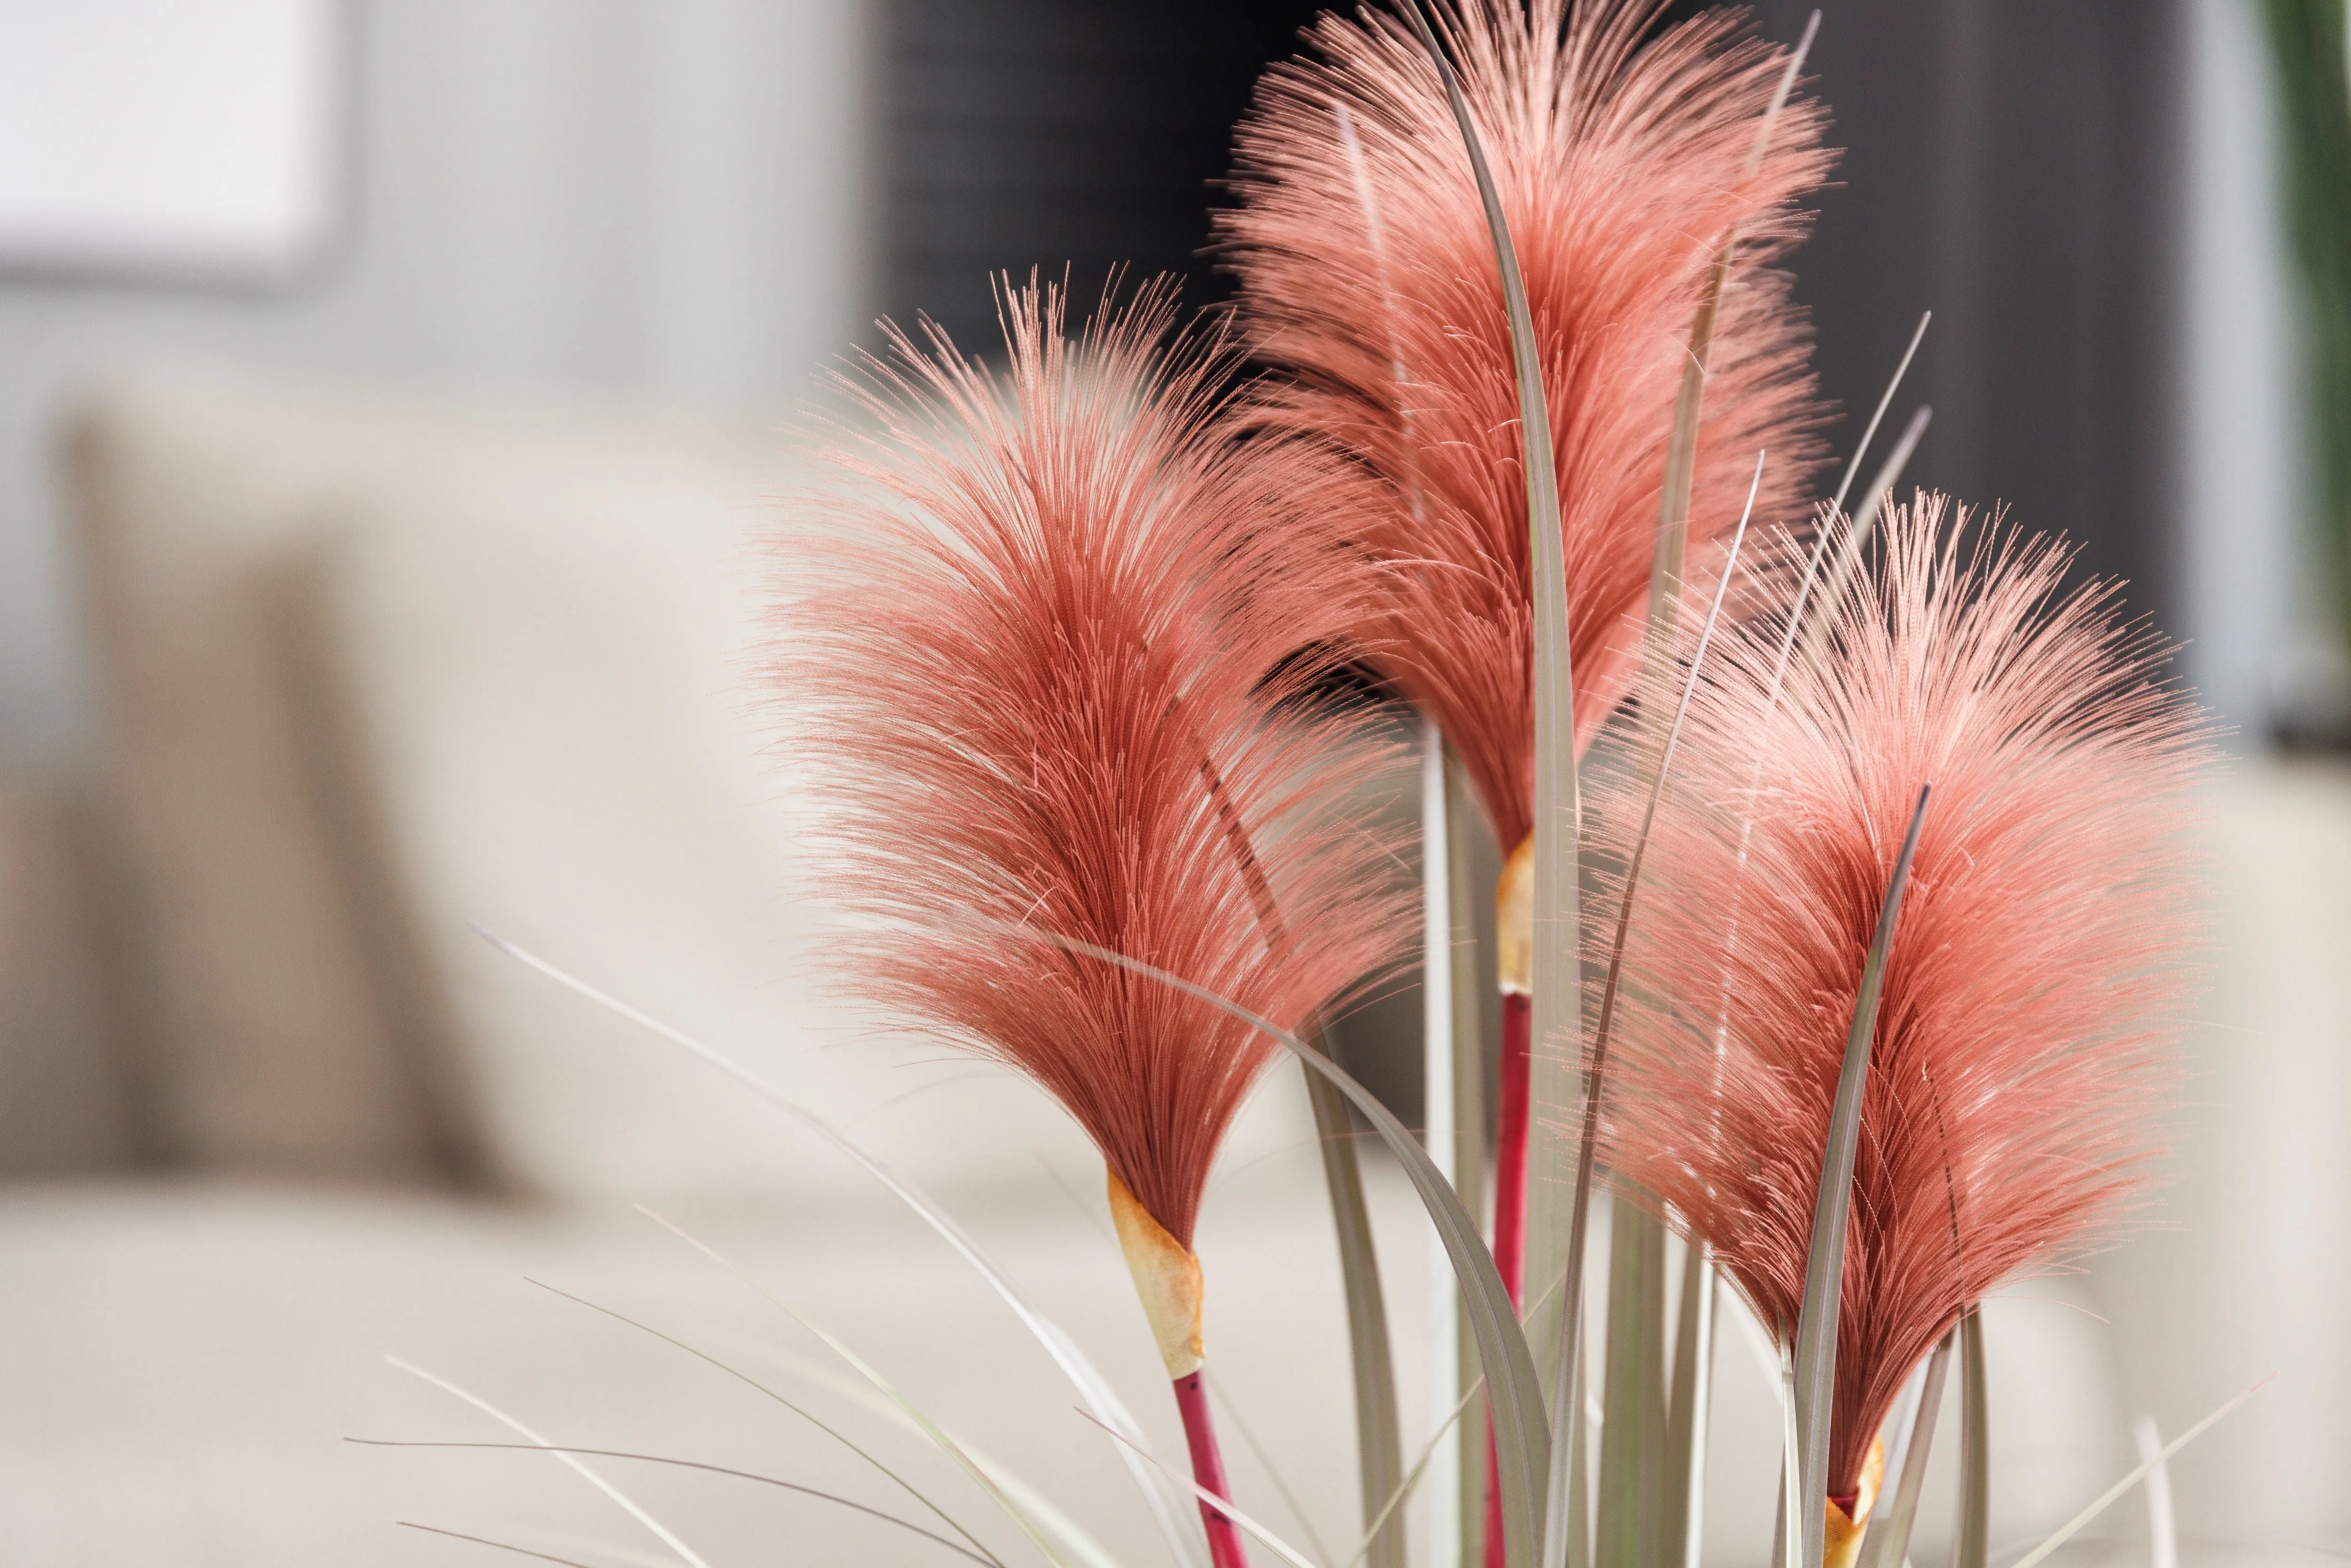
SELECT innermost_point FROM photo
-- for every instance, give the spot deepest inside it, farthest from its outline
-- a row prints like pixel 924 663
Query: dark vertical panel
pixel 1053 133
pixel 2012 164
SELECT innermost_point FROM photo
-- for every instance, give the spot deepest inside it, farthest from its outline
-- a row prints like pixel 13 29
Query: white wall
pixel 662 200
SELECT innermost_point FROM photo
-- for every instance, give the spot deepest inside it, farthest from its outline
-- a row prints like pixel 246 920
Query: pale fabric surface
pixel 2245 1267
pixel 184 1362
pixel 263 1025
pixel 66 1100
pixel 540 661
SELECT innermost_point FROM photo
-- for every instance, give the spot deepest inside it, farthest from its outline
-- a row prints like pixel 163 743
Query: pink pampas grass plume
pixel 2021 1057
pixel 1051 651
pixel 1625 163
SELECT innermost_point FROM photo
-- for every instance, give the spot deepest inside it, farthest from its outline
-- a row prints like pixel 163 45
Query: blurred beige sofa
pixel 370 675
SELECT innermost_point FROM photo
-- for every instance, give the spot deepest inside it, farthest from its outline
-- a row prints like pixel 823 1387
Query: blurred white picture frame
pixel 173 141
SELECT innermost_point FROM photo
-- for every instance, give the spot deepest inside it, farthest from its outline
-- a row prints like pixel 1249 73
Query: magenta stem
pixel 1225 1548
pixel 1511 1145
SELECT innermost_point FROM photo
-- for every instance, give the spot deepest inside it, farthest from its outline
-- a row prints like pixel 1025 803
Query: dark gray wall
pixel 1083 134
pixel 2014 165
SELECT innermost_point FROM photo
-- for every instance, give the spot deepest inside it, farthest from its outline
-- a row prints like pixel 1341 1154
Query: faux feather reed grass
pixel 1365 272
pixel 1890 1023
pixel 1625 161
pixel 1057 651
pixel 1366 276
pixel 2021 1060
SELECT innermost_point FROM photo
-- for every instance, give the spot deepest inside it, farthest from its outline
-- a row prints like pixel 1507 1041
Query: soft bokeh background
pixel 391 392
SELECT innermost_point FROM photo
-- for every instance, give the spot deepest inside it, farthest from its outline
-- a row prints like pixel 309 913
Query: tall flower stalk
pixel 1623 157
pixel 1056 640
pixel 1367 277
pixel 2021 1048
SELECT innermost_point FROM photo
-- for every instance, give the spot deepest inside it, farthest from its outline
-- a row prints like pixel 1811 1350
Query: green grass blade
pixel 1819 553
pixel 2162 1517
pixel 1232 1410
pixel 1577 1551
pixel 1557 1025
pixel 1687 1408
pixel 1379 1436
pixel 1633 1507
pixel 1627 1511
pixel 900 1481
pixel 1877 414
pixel 1680 475
pixel 1888 1542
pixel 661 1531
pixel 2074 1525
pixel 1074 1540
pixel 1973 1546
pixel 1565 1411
pixel 1521 1437
pixel 1379 1428
pixel 1427 1453
pixel 1472 980
pixel 858 1364
pixel 1180 1532
pixel 1872 501
pixel 1787 1545
pixel 1440 1117
pixel 1630 1511
pixel 1288 1553
pixel 777 1481
pixel 1682 468
pixel 1853 540
pixel 1816 1327
pixel 486 1541
pixel 1419 1469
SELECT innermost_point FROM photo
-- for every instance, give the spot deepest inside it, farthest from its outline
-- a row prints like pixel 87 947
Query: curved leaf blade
pixel 2074 1526
pixel 1888 1542
pixel 1816 1328
pixel 1557 1024
pixel 1522 1436
pixel 1182 1537
pixel 1973 1547
pixel 661 1531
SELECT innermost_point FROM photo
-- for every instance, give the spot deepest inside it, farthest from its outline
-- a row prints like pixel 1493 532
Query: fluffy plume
pixel 1050 652
pixel 2022 1056
pixel 1624 161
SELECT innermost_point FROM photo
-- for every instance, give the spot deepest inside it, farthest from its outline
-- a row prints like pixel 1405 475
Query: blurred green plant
pixel 2308 40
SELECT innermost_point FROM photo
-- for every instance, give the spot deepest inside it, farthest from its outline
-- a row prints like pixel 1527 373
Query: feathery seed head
pixel 1625 163
pixel 1051 647
pixel 2021 1057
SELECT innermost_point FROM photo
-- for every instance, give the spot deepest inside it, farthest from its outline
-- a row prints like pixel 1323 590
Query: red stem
pixel 1509 1208
pixel 1224 1549
pixel 1510 1145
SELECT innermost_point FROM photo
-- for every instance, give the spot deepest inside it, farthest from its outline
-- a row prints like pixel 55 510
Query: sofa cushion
pixel 67 1100
pixel 184 1363
pixel 539 662
pixel 263 1031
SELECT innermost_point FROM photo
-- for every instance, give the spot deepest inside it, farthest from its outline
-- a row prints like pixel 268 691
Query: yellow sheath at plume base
pixel 1841 1543
pixel 1167 1277
pixel 1514 919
